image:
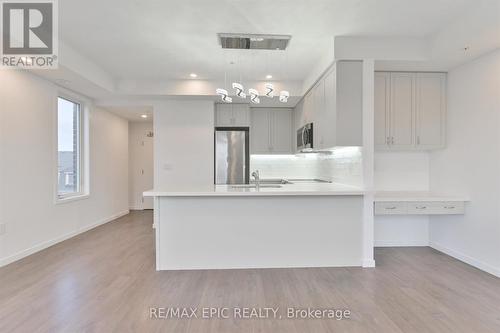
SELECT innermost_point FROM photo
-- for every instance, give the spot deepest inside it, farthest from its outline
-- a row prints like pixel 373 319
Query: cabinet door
pixel 318 115
pixel 224 115
pixel 308 108
pixel 402 110
pixel 430 110
pixel 281 130
pixel 382 111
pixel 241 115
pixel 330 117
pixel 260 132
pixel 297 121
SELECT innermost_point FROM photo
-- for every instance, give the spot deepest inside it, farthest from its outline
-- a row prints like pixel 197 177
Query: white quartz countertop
pixel 396 196
pixel 302 189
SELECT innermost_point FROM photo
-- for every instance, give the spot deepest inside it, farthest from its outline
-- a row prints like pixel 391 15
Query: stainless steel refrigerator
pixel 232 156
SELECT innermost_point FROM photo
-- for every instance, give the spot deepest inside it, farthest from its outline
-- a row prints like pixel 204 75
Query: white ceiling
pixel 133 113
pixel 164 40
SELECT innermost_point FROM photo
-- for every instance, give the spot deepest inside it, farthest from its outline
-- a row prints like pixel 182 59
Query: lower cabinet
pixel 271 131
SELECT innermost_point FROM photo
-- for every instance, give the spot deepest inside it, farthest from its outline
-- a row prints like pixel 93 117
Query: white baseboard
pixel 390 243
pixel 41 246
pixel 367 263
pixel 467 259
pixel 136 208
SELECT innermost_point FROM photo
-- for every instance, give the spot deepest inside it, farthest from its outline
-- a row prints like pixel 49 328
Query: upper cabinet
pixel 232 115
pixel 410 110
pixel 430 110
pixel 334 106
pixel 271 131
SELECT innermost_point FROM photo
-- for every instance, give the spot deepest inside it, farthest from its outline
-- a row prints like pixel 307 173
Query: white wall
pixel 402 171
pixel 28 167
pixel 141 170
pixel 183 144
pixel 471 165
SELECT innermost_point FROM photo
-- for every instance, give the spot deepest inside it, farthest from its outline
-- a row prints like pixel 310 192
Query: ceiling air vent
pixel 254 42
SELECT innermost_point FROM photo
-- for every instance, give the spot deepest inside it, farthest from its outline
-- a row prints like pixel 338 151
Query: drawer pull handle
pixel 449 207
pixel 390 207
pixel 421 207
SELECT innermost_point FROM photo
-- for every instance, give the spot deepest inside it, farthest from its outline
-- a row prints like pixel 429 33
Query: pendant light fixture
pixel 284 96
pixel 254 96
pixel 269 90
pixel 238 86
pixel 224 95
pixel 239 90
pixel 223 92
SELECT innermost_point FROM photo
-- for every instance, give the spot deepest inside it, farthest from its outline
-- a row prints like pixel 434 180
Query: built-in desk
pixel 418 203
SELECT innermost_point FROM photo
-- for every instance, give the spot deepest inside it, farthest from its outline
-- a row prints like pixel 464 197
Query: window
pixel 69 149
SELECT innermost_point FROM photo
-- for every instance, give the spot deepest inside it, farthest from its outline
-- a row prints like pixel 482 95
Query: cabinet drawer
pixel 421 207
pixel 436 207
pixel 450 207
pixel 390 208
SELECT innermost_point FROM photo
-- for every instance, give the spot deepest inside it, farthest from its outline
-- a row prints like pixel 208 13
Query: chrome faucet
pixel 256 175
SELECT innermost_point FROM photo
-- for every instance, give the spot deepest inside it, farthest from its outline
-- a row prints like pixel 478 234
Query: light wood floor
pixel 104 281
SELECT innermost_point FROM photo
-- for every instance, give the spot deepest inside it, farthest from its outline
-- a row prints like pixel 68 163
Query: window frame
pixel 83 155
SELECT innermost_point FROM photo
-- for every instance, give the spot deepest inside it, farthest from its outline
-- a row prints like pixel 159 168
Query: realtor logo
pixel 29 34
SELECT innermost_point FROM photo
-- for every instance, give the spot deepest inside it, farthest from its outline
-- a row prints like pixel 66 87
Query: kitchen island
pixel 294 225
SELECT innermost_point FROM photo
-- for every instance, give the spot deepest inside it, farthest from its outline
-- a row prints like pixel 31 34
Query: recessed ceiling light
pixel 144 116
pixel 269 76
pixel 193 75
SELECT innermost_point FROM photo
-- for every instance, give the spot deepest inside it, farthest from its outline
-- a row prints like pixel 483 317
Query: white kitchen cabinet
pixel 402 110
pixel 223 115
pixel 382 109
pixel 410 110
pixel 318 115
pixel 308 108
pixel 430 110
pixel 281 131
pixel 236 115
pixel 271 131
pixel 260 132
pixel 334 106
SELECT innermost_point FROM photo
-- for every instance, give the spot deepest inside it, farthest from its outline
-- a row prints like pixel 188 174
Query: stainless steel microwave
pixel 305 138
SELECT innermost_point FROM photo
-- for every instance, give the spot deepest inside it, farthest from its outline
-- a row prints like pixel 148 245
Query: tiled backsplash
pixel 343 165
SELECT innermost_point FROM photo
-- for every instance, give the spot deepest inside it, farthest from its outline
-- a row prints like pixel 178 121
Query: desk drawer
pixel 390 208
pixel 450 207
pixel 435 207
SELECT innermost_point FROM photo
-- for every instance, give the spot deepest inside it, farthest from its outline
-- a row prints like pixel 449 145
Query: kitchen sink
pixel 272 181
pixel 255 186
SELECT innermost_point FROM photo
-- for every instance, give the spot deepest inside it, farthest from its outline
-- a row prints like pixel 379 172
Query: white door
pixel 141 164
pixel 281 130
pixel 224 115
pixel 402 109
pixel 147 163
pixel 430 109
pixel 260 131
pixel 382 99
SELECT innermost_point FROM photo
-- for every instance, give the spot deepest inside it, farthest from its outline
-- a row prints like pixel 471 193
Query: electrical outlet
pixel 2 228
